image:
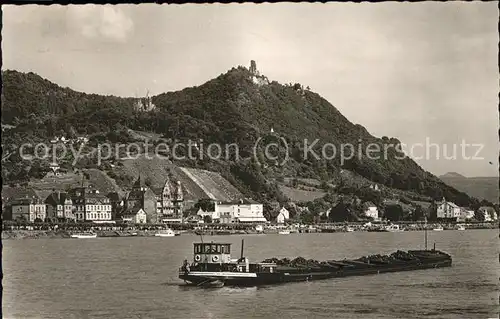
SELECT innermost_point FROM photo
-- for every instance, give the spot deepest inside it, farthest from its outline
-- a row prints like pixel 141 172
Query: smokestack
pixel 242 245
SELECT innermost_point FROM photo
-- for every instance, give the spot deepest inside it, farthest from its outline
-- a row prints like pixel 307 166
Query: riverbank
pixel 47 234
pixel 16 234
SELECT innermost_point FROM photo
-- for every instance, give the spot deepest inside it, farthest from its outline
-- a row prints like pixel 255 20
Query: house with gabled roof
pixel 141 196
pixel 135 216
pixel 489 214
pixel 447 210
pixel 28 208
pixel 89 204
pixel 59 206
pixel 283 216
pixel 371 210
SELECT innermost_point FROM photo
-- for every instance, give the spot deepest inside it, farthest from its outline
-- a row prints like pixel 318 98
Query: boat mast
pixel 242 245
pixel 425 230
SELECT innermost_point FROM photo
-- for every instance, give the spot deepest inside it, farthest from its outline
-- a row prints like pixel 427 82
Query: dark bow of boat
pixel 213 266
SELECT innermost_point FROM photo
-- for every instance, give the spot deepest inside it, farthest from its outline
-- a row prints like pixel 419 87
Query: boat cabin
pixel 217 257
pixel 212 253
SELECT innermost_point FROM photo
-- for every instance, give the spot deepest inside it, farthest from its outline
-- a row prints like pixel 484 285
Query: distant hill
pixel 480 187
pixel 452 175
pixel 240 106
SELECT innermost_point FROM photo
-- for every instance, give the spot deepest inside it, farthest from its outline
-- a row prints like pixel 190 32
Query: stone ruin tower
pixel 255 75
pixel 253 68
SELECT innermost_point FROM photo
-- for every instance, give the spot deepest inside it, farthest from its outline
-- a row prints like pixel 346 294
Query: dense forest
pixel 231 108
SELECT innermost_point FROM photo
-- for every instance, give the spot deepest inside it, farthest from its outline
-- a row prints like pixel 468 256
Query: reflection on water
pixel 137 278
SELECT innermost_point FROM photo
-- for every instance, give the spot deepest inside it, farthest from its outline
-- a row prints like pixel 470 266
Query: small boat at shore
pixel 460 227
pixel 166 233
pixel 213 266
pixel 393 228
pixel 438 228
pixel 284 232
pixel 84 235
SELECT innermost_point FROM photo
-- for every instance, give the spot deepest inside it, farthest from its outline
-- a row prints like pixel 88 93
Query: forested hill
pixel 240 107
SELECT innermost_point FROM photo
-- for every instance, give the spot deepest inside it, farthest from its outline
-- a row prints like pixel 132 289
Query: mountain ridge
pixel 481 187
pixel 231 108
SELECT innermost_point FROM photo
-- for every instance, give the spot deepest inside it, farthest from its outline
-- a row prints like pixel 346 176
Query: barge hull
pixel 258 279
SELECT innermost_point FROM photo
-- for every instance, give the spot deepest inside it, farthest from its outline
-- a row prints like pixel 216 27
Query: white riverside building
pixel 240 211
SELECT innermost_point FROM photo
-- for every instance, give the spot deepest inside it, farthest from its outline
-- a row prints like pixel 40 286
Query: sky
pixel 425 73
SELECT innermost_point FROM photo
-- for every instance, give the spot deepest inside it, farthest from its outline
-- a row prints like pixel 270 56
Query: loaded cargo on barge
pixel 213 266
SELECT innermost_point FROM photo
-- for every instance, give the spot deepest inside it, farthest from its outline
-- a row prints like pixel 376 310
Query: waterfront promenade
pixel 12 230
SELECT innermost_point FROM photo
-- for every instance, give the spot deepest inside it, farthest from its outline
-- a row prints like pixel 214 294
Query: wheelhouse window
pixel 197 249
pixel 212 248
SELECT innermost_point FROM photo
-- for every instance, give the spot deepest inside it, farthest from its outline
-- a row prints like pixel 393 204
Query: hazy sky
pixel 415 71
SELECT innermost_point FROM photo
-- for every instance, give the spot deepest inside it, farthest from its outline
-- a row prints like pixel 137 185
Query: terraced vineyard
pixel 205 184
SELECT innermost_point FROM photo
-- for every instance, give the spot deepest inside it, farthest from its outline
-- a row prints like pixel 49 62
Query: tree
pixel 72 132
pixel 433 212
pixel 341 213
pixel 479 215
pixel 418 213
pixel 324 185
pixel 307 218
pixel 206 204
pixel 394 212
pixel 207 219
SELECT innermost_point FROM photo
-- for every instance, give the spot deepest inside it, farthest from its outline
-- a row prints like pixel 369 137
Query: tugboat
pixel 213 266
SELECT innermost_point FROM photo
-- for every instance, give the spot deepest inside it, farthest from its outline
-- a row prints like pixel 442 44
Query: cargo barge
pixel 213 266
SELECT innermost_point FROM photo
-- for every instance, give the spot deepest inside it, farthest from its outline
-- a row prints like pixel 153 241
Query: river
pixel 137 278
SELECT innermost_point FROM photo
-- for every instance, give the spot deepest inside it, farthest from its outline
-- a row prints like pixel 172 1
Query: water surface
pixel 137 278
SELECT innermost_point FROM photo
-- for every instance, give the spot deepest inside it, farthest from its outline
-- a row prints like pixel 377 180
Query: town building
pixel 134 216
pixel 144 104
pixel 59 206
pixel 283 216
pixel 89 205
pixel 169 202
pixel 29 209
pixel 214 216
pixel 117 204
pixel 466 214
pixel 10 195
pixel 242 211
pixel 489 214
pixel 448 210
pixel 371 210
pixel 143 197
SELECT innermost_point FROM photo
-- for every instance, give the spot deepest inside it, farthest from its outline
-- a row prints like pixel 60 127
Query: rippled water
pixel 137 278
